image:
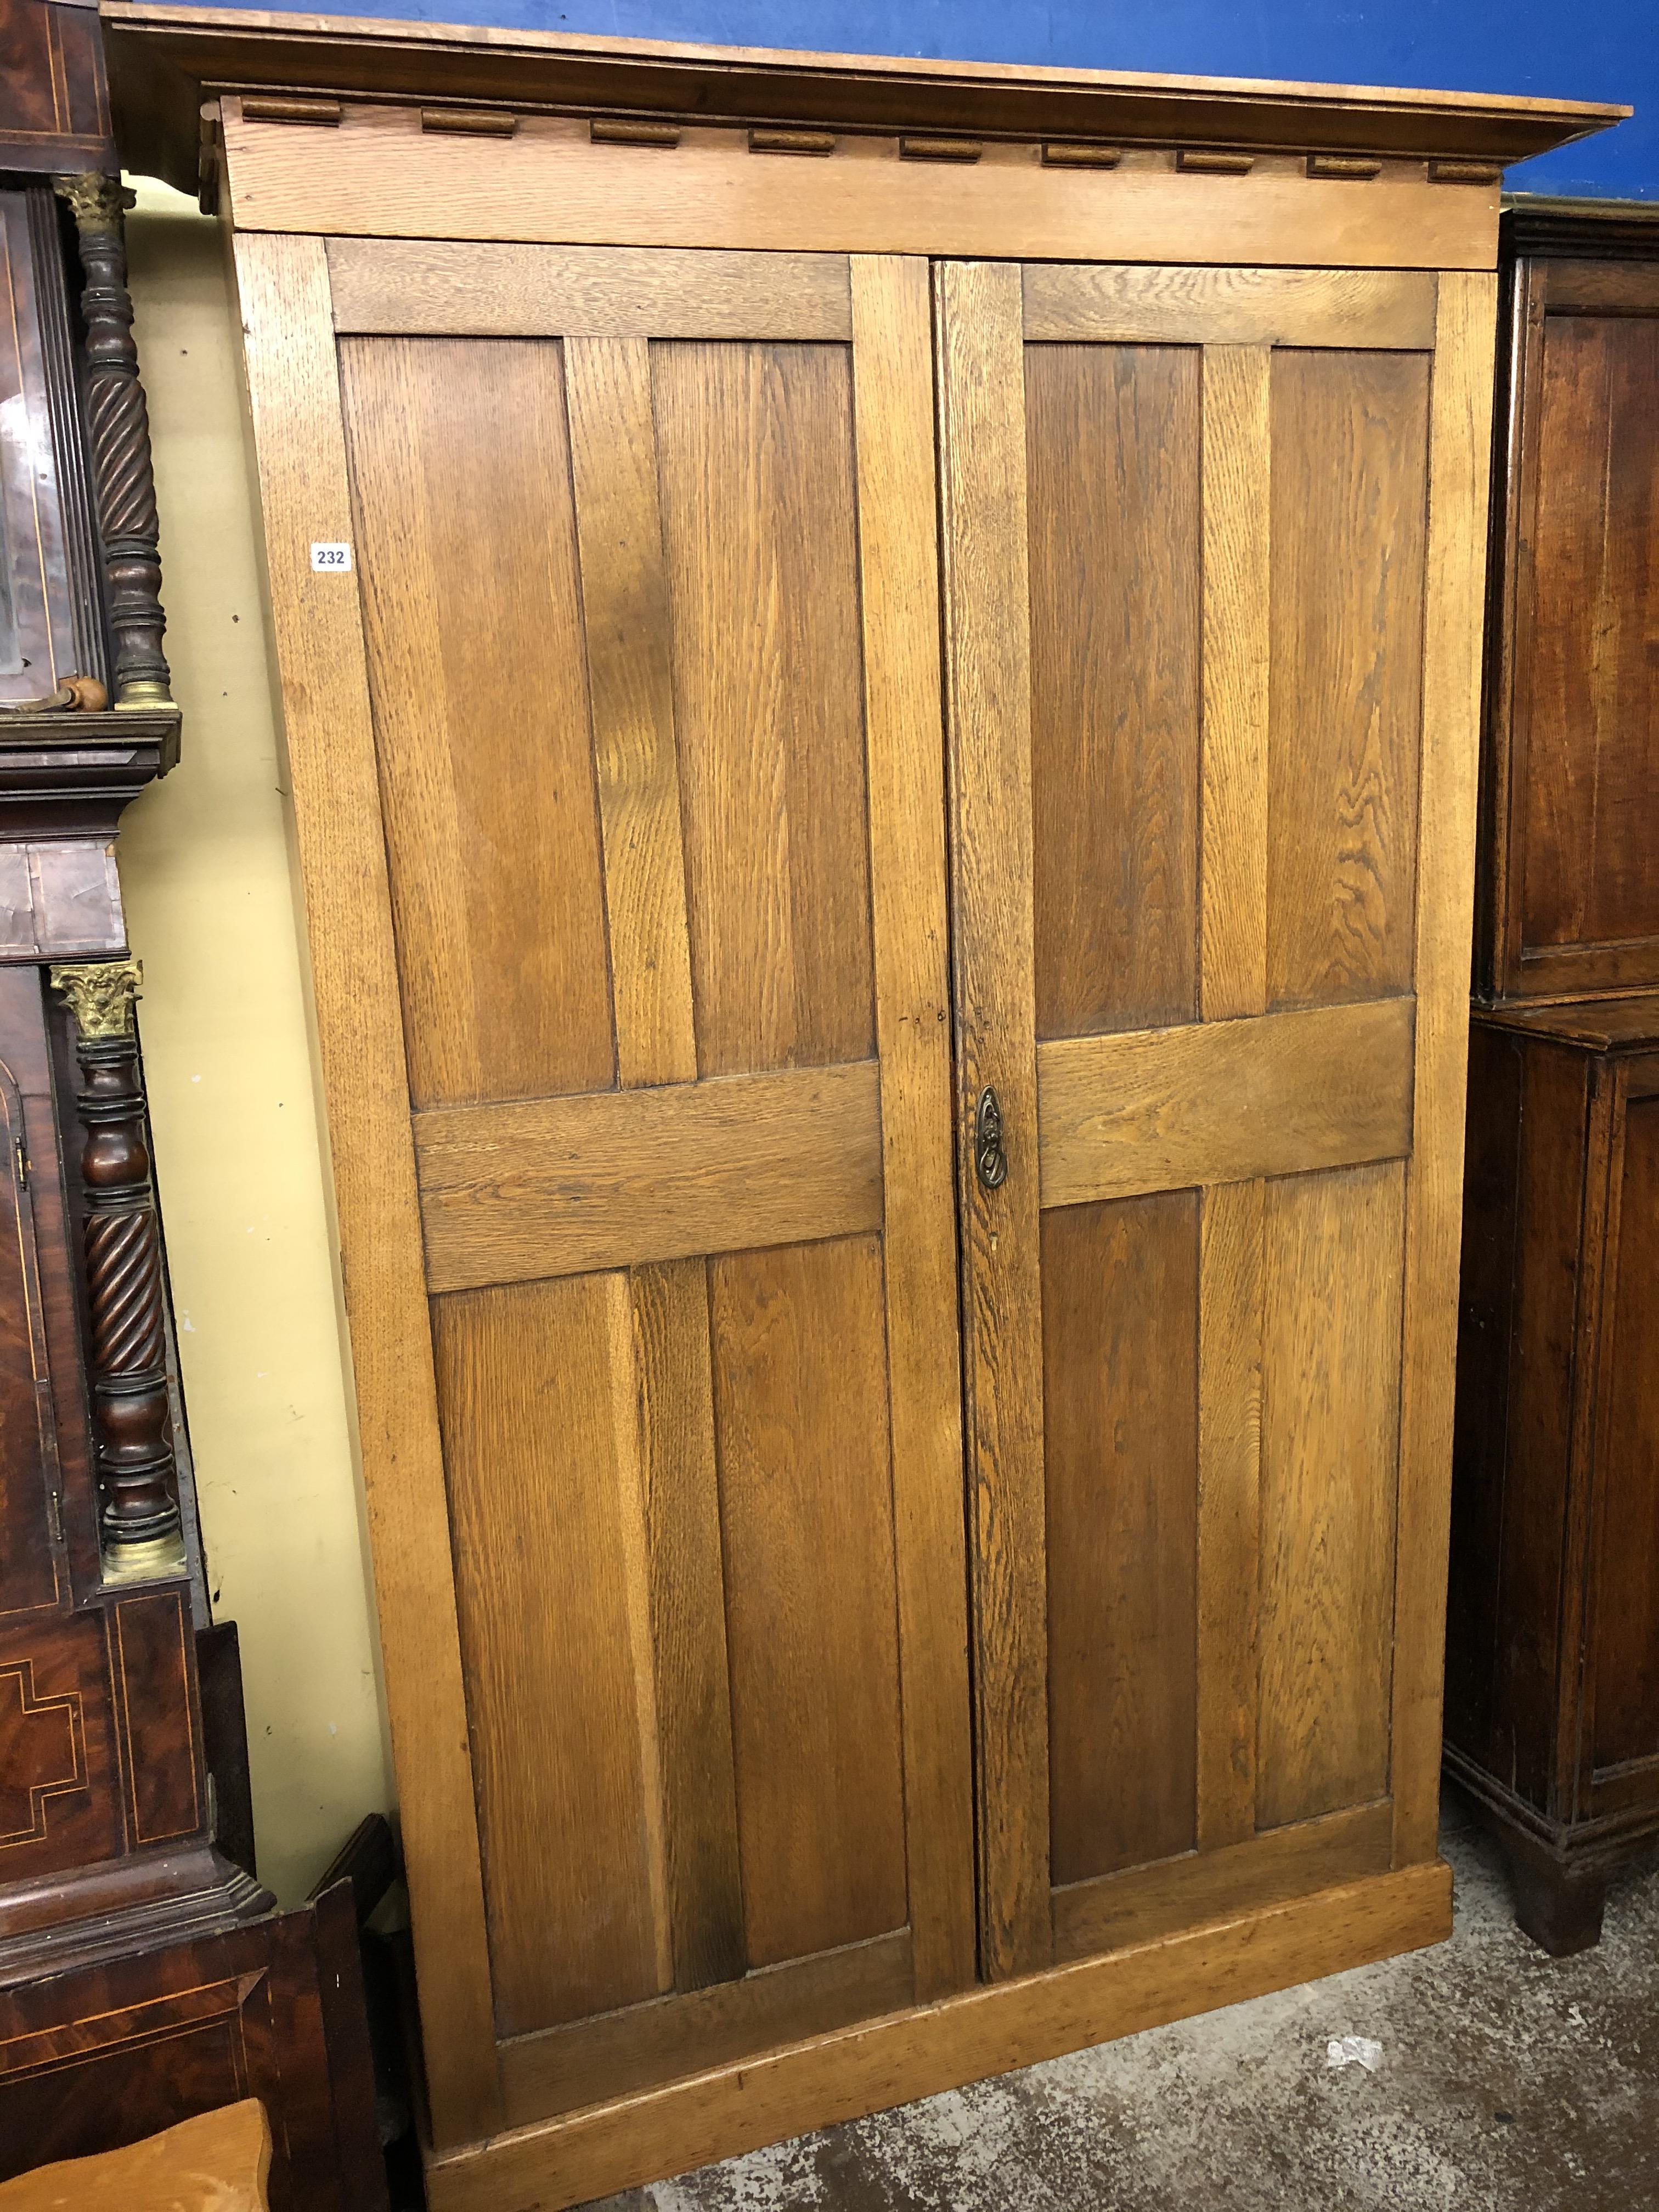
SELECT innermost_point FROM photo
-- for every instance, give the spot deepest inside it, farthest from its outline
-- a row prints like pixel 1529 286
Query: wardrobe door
pixel 1212 543
pixel 606 594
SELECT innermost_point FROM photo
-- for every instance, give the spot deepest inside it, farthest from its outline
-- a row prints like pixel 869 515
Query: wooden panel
pixel 1330 1386
pixel 283 290
pixel 1119 1412
pixel 988 704
pixel 667 1366
pixel 757 474
pixel 1216 1102
pixel 403 286
pixel 1600 287
pixel 1149 1902
pixel 1238 596
pixel 892 370
pixel 984 2031
pixel 481 714
pixel 1626 1662
pixel 1349 480
pixel 806 1504
pixel 593 2061
pixel 1584 661
pixel 1230 1262
pixel 1460 452
pixel 156 1702
pixel 1112 444
pixel 551 1186
pixel 624 596
pixel 544 1495
pixel 384 179
pixel 1229 306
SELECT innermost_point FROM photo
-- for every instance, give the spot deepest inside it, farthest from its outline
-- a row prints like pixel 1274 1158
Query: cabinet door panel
pixel 1186 672
pixel 650 644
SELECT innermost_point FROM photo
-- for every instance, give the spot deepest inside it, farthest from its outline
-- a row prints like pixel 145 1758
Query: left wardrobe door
pixel 615 759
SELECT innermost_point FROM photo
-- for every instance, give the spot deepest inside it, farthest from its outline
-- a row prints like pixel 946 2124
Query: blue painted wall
pixel 1609 51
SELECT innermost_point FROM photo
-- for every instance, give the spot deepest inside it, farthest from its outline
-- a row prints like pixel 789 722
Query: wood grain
pixel 384 179
pixel 1459 468
pixel 624 607
pixel 321 664
pixel 668 1368
pixel 988 704
pixel 412 287
pixel 908 2055
pixel 898 570
pixel 593 2062
pixel 1146 1903
pixel 755 467
pixel 1175 306
pixel 481 714
pixel 1120 1411
pixel 540 1472
pixel 551 1186
pixel 1112 436
pixel 1349 479
pixel 1229 1355
pixel 219 2159
pixel 1217 1102
pixel 1330 1400
pixel 1237 635
pixel 800 1394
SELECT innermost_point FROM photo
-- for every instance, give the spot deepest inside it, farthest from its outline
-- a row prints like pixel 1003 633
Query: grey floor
pixel 1507 2083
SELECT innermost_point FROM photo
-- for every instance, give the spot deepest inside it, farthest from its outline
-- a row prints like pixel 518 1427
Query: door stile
pixel 293 396
pixel 981 414
pixel 1459 453
pixel 1237 495
pixel 661 1364
pixel 897 511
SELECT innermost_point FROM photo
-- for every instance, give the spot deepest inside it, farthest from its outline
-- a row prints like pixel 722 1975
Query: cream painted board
pixel 204 871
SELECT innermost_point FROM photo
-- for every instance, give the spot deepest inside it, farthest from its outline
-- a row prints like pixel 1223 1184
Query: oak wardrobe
pixel 880 664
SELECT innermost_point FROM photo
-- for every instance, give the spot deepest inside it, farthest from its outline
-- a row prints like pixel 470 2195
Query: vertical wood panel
pixel 988 698
pixel 1460 459
pixel 755 455
pixel 1228 1509
pixel 1348 483
pixel 1330 1401
pixel 544 1499
pixel 1626 1642
pixel 1237 599
pixel 625 623
pixel 669 1371
pixel 1120 1410
pixel 1112 440
pixel 892 361
pixel 800 1391
pixel 1592 752
pixel 316 630
pixel 467 562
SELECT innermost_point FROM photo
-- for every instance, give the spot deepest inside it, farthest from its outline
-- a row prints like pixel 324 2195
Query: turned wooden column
pixel 138 1524
pixel 119 425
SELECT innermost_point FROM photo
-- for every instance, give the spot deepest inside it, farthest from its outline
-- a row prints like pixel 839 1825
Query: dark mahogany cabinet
pixel 1553 1648
pixel 1552 1659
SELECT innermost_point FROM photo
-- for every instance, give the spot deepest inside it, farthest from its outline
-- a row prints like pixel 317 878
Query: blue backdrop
pixel 1466 46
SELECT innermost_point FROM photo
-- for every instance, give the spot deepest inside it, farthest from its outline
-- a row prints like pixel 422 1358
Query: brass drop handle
pixel 990 1161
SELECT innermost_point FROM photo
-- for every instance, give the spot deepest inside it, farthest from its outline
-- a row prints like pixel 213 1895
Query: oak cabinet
pixel 884 792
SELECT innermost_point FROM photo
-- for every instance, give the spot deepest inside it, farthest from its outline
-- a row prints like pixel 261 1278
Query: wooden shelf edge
pixel 892 2060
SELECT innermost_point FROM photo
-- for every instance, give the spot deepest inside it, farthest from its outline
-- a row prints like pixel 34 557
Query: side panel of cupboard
pixel 633 809
pixel 1206 545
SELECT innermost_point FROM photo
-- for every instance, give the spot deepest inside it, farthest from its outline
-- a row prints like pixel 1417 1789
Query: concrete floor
pixel 1507 2083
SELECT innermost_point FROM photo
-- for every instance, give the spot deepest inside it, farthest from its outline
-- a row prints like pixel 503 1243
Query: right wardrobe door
pixel 1212 543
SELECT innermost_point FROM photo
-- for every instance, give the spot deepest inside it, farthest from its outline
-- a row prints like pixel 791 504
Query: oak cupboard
pixel 886 808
